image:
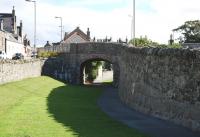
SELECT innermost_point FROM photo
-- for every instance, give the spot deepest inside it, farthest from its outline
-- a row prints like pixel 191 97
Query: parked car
pixel 18 56
pixel 34 54
pixel 3 55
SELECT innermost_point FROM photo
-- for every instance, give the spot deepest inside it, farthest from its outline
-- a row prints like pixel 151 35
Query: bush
pixel 175 45
pixel 91 70
pixel 47 54
pixel 143 42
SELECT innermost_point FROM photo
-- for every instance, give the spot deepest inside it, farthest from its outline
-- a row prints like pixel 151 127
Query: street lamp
pixel 60 27
pixel 133 22
pixel 34 22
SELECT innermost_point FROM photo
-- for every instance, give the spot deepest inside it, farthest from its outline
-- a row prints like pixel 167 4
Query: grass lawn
pixel 44 107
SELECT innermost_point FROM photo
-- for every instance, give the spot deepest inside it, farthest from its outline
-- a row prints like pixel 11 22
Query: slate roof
pixel 47 44
pixel 10 37
pixel 5 15
pixel 79 32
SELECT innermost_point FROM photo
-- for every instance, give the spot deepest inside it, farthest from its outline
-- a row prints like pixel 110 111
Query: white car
pixel 3 55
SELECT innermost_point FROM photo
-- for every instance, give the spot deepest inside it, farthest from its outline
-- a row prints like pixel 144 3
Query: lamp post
pixel 60 27
pixel 133 23
pixel 34 22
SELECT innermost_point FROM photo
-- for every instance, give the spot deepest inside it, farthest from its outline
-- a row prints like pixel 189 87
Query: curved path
pixel 111 104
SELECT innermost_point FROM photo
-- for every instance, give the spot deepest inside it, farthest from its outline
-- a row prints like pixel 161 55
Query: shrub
pixel 47 54
pixel 91 70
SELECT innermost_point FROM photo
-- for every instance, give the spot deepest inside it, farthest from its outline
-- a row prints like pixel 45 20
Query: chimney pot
pixel 88 33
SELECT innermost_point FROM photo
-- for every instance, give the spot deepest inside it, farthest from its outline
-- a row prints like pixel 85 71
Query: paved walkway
pixel 111 104
pixel 106 76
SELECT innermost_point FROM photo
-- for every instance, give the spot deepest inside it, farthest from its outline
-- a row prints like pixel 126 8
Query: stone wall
pixel 17 70
pixel 162 82
pixel 68 66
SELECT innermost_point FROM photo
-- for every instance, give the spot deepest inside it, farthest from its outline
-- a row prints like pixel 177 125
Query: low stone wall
pixel 162 82
pixel 11 70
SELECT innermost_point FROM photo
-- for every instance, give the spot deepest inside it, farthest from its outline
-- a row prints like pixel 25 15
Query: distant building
pixel 48 44
pixel 9 21
pixel 77 36
pixel 12 39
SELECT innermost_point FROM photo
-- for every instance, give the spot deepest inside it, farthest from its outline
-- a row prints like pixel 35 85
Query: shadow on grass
pixel 76 108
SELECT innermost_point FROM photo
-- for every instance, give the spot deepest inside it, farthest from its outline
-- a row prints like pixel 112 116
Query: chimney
pixel 20 28
pixel 13 11
pixel 1 24
pixel 14 21
pixel 88 34
pixel 65 37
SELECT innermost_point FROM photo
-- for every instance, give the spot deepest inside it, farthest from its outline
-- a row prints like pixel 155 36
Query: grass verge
pixel 44 107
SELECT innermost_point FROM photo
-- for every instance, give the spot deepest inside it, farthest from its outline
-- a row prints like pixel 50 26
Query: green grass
pixel 44 107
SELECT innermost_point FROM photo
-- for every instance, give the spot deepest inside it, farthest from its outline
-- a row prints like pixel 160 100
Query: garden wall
pixel 11 70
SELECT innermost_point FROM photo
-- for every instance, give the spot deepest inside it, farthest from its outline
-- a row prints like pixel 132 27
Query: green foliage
pixel 190 31
pixel 47 54
pixel 91 70
pixel 143 42
pixel 175 45
pixel 44 107
pixel 106 65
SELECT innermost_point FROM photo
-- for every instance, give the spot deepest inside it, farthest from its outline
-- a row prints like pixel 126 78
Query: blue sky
pixel 154 18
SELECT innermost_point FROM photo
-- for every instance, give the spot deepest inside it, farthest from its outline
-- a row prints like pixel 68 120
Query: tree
pixel 143 42
pixel 91 70
pixel 106 65
pixel 190 31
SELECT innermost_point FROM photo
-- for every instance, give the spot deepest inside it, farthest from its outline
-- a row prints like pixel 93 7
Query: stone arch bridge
pixel 161 82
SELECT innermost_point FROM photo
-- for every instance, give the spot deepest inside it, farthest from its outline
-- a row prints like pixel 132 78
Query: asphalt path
pixel 106 76
pixel 110 103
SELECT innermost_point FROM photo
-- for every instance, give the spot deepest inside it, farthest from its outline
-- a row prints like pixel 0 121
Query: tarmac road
pixel 110 103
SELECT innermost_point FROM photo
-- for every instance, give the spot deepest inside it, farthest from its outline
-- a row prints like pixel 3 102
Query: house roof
pixel 10 37
pixel 47 44
pixel 5 15
pixel 79 32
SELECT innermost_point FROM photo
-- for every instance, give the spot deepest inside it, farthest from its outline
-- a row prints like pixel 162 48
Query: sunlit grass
pixel 44 107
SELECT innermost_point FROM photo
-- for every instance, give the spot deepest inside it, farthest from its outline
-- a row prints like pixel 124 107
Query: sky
pixel 112 18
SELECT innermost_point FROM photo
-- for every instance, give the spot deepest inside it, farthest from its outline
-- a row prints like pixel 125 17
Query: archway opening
pixel 97 72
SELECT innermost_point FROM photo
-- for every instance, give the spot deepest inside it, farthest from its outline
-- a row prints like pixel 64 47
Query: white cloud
pixel 166 16
pixel 156 24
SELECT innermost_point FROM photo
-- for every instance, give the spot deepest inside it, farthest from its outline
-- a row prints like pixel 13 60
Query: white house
pixel 12 39
pixel 13 46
